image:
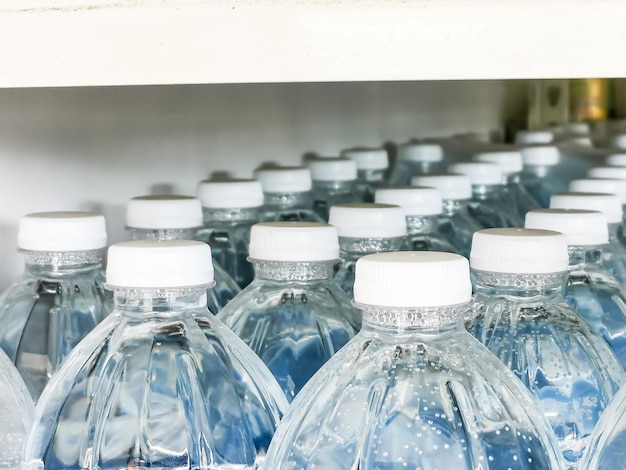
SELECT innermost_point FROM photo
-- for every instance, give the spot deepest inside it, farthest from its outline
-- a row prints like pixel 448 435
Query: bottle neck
pixel 614 230
pixel 454 206
pixel 332 187
pixel 486 191
pixel 139 303
pixel 62 262
pixel 511 178
pixel 371 176
pixel 293 270
pixel 162 233
pixel 242 216
pixel 539 171
pixel 395 320
pixel 288 200
pixel 519 285
pixel 421 224
pixel 582 257
pixel 354 248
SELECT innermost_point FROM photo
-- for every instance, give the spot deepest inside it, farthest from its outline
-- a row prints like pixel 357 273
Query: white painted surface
pixel 94 148
pixel 90 42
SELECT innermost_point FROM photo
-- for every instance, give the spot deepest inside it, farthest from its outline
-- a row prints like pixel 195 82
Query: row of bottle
pixel 162 383
pixel 359 214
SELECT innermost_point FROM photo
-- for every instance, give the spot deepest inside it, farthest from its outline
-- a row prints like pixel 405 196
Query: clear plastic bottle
pixel 287 194
pixel 591 290
pixel 176 218
pixel 372 165
pixel 422 208
pixel 413 389
pixel 16 414
pixel 230 209
pixel 334 182
pixel 161 383
pixel 521 316
pixel 60 296
pixel 490 205
pixel 511 166
pixel 364 229
pixel 292 315
pixel 607 446
pixel 614 254
pixel 416 158
pixel 541 175
pixel 456 223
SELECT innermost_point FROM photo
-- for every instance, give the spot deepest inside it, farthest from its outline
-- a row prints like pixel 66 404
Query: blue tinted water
pixel 44 316
pixel 155 387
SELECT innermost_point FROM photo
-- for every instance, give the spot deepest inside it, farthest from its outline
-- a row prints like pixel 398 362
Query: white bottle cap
pixel 451 186
pixel 519 250
pixel 163 212
pixel 619 141
pixel 332 169
pixel 534 137
pixel 368 220
pixel 62 231
pixel 412 279
pixel 543 155
pixel 617 159
pixel 230 194
pixel 579 141
pixel 610 186
pixel 609 172
pixel 420 152
pixel 582 228
pixel 508 161
pixel 367 158
pixel 284 179
pixel 414 200
pixel 478 173
pixel 293 241
pixel 609 204
pixel 159 264
pixel 579 128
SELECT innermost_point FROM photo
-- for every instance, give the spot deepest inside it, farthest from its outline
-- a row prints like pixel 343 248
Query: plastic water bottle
pixel 521 316
pixel 534 137
pixel 422 208
pixel 60 296
pixel 456 223
pixel 230 209
pixel 511 166
pixel 372 165
pixel 490 205
pixel 161 383
pixel 591 290
pixel 176 218
pixel 287 193
pixel 416 158
pixel 16 414
pixel 334 182
pixel 607 446
pixel 615 253
pixel 364 229
pixel 292 315
pixel 413 389
pixel 541 175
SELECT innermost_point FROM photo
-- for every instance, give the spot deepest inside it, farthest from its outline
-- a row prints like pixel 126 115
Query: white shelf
pixel 88 42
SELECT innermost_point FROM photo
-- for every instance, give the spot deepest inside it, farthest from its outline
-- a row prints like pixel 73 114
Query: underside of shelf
pixel 88 42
